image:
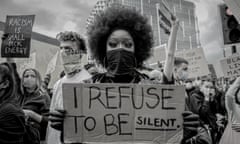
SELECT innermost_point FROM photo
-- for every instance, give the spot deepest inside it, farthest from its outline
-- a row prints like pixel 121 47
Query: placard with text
pixel 231 66
pixel 122 112
pixel 18 31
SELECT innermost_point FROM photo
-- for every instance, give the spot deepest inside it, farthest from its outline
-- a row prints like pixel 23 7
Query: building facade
pixel 188 35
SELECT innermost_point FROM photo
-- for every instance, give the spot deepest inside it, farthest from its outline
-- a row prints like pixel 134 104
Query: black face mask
pixel 120 62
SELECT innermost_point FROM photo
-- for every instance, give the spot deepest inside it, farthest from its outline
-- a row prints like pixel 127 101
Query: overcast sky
pixel 53 16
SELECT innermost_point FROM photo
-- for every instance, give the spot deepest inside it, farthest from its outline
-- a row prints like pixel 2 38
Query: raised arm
pixel 229 97
pixel 170 53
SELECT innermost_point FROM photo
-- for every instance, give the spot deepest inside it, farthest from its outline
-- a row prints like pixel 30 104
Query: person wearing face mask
pixel 35 103
pixel 180 70
pixel 180 76
pixel 203 102
pixel 189 86
pixel 120 40
pixel 72 48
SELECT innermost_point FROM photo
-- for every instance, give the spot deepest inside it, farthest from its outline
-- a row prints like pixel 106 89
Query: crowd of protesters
pixel 120 40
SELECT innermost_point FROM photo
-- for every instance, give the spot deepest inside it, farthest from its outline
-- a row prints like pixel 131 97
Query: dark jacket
pixel 205 109
pixel 39 103
pixel 12 124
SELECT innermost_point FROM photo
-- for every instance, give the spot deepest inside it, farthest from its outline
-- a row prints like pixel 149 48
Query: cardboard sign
pixel 18 30
pixel 122 112
pixel 197 62
pixel 52 64
pixel 231 66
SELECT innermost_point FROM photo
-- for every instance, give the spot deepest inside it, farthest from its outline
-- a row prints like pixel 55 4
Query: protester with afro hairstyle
pixel 120 40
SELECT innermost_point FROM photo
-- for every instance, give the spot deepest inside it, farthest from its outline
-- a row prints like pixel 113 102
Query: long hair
pixel 6 71
pixel 120 17
pixel 38 80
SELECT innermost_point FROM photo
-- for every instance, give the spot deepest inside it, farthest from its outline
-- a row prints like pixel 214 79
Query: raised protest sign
pixel 123 112
pixel 18 30
pixel 52 64
pixel 231 66
pixel 197 62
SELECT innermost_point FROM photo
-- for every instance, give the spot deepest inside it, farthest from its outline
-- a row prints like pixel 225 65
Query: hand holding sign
pixel 4 36
pixel 56 118
pixel 190 124
pixel 123 112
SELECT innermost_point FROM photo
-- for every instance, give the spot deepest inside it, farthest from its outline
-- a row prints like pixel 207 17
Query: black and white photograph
pixel 120 72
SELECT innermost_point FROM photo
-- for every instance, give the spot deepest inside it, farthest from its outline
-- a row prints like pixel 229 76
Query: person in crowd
pixel 180 76
pixel 232 131
pixel 197 83
pixel 72 49
pixel 12 119
pixel 35 103
pixel 11 61
pixel 189 86
pixel 203 102
pixel 120 40
pixel 180 70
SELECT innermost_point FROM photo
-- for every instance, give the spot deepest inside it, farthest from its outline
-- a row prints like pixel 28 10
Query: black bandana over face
pixel 120 62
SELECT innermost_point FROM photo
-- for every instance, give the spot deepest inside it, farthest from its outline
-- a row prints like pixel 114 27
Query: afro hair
pixel 120 17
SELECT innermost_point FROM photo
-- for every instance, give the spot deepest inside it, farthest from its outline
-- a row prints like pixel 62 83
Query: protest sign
pixel 122 112
pixel 197 62
pixel 52 64
pixel 18 30
pixel 231 66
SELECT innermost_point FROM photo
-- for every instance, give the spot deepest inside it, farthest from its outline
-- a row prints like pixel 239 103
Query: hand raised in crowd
pixel 190 124
pixel 56 118
pixel 4 36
